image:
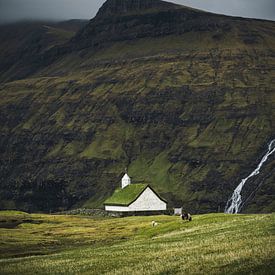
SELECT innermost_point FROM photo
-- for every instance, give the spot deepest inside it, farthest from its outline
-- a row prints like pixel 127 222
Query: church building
pixel 134 197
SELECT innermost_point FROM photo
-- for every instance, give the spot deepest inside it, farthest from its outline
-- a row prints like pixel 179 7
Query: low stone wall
pixel 85 212
pixel 103 213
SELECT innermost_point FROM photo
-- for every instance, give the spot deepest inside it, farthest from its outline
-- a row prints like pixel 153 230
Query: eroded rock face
pixel 130 20
pixel 120 7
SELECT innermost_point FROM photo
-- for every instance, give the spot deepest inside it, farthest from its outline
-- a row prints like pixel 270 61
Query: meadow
pixel 63 244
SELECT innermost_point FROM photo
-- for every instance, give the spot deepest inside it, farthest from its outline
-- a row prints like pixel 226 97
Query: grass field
pixel 213 243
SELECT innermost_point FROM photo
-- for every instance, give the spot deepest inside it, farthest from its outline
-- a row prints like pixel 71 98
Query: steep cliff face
pixel 184 99
pixel 129 20
pixel 122 7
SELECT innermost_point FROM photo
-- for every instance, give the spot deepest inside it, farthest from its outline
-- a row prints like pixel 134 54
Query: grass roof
pixel 127 195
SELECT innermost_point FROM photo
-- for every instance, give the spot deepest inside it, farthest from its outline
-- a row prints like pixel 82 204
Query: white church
pixel 134 197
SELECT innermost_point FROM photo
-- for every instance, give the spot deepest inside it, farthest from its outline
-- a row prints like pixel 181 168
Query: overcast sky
pixel 14 10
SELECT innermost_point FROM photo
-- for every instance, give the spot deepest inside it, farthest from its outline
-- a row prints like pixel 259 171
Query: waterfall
pixel 234 203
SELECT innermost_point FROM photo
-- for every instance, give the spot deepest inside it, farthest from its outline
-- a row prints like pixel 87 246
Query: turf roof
pixel 127 195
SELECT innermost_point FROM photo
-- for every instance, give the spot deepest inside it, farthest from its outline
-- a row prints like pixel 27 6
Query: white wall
pixel 147 201
pixel 117 208
pixel 178 211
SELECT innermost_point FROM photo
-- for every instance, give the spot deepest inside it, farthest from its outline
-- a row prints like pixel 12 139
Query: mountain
pixel 183 98
pixel 25 41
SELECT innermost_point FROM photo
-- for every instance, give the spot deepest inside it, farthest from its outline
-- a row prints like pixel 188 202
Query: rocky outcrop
pixel 129 20
pixel 121 7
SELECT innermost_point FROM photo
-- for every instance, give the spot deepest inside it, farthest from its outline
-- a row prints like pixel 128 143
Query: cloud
pixel 14 10
pixel 264 9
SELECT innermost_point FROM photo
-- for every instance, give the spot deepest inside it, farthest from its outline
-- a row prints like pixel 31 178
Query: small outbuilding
pixel 178 211
pixel 134 197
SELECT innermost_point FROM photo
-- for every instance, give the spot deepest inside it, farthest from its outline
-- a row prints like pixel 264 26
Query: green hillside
pixel 23 42
pixel 185 99
pixel 213 243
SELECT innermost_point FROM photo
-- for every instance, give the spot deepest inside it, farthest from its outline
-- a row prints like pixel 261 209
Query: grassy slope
pixel 21 41
pixel 190 114
pixel 214 243
pixel 127 195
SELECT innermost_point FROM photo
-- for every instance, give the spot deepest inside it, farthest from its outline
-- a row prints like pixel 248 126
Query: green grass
pixel 213 244
pixel 126 195
pixel 107 145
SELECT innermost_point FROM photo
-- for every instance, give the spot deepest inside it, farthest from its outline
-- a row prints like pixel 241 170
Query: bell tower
pixel 125 181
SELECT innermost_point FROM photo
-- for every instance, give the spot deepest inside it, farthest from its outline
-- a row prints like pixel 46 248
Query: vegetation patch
pixel 126 195
pixel 213 243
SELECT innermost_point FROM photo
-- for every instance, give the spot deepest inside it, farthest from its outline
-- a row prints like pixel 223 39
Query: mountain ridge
pixel 28 39
pixel 169 19
pixel 121 7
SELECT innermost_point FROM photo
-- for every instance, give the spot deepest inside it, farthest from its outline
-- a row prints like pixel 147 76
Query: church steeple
pixel 125 181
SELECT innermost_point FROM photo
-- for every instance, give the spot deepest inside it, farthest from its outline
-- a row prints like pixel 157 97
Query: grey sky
pixel 14 10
